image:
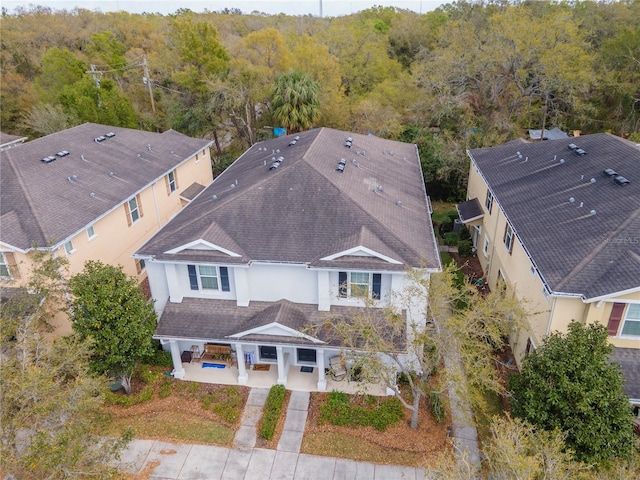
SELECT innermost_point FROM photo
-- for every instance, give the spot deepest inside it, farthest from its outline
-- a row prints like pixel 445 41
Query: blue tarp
pixel 279 131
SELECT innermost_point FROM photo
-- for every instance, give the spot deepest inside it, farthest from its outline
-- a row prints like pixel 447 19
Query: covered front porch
pixel 295 379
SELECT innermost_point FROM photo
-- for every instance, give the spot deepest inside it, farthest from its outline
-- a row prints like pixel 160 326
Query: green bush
pixel 272 409
pixel 338 411
pixel 229 407
pixel 437 407
pixel 464 248
pixel 160 358
pixel 451 238
pixel 129 400
pixel 147 375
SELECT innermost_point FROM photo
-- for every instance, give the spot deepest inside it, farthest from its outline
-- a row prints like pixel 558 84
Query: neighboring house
pixel 10 141
pixel 297 230
pixel 94 192
pixel 559 222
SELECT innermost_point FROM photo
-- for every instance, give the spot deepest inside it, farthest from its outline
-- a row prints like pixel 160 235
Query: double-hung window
pixel 508 238
pixel 360 284
pixel 69 248
pixel 489 201
pixel 4 268
pixel 172 182
pixel 631 325
pixel 209 278
pixel 134 210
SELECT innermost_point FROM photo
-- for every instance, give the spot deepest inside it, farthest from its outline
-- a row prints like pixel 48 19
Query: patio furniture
pixel 195 353
pixel 338 370
pixel 219 353
pixel 186 356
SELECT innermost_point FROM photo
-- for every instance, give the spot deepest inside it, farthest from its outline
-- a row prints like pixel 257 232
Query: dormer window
pixel 208 277
pixel 359 284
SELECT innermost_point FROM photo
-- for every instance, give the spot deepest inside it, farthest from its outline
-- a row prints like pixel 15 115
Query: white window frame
pixel 508 238
pixel 216 277
pixel 4 267
pixel 140 265
pixel 69 248
pixel 368 285
pixel 628 318
pixel 133 210
pixel 485 247
pixel 171 180
pixel 488 202
pixel 91 232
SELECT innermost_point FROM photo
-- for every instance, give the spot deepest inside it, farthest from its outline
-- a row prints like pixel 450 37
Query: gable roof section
pixel 52 201
pixel 305 210
pixel 583 235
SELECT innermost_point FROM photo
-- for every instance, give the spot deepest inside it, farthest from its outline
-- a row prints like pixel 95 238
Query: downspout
pixel 495 241
pixel 155 204
pixel 553 307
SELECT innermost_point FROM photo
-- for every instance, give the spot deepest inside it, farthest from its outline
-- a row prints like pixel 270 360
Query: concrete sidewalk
pixel 169 461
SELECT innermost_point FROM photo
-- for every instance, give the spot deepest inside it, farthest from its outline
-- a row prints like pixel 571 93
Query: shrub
pixel 166 388
pixel 451 238
pixel 437 407
pixel 147 375
pixel 272 409
pixel 229 404
pixel 464 248
pixel 160 358
pixel 338 411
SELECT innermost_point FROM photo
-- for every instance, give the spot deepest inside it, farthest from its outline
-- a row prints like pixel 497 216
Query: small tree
pixel 460 324
pixel 110 308
pixel 295 101
pixel 569 384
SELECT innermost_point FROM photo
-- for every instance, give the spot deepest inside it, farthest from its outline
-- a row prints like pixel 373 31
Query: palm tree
pixel 295 101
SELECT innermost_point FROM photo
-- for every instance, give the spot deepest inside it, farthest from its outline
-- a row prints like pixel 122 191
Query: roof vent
pixel 293 142
pixel 593 180
pixel 592 213
pixel 149 147
pixel 572 200
pixel 99 139
pixel 609 172
pixel 580 152
pixel 348 142
pixel 92 195
pixel 380 188
pixel 275 164
pixel 341 164
pixel 48 159
pixel 63 153
pixel 110 135
pixel 572 146
pixel 111 174
pixel 214 197
pixel 399 203
pixel 620 180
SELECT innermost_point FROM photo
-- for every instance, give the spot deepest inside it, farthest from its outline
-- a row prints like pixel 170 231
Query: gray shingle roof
pixel 305 210
pixel 44 203
pixel 217 320
pixel 470 210
pixel 583 234
pixel 629 360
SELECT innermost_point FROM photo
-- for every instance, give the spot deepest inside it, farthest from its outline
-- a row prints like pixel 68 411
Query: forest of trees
pixel 466 75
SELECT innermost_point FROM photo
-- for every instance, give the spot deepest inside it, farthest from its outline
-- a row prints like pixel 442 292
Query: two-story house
pixel 299 228
pixel 558 221
pixel 94 192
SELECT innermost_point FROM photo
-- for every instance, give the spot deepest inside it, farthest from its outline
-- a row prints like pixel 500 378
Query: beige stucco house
pixel 94 192
pixel 559 222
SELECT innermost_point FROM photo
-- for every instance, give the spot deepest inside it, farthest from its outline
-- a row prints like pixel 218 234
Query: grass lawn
pixel 442 210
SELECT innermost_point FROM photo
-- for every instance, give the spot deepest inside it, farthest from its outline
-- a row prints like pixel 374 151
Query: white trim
pixel 258 330
pixel 362 249
pixel 612 296
pixel 209 245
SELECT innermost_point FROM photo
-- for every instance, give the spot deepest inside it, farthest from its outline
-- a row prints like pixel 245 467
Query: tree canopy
pixel 569 384
pixel 110 309
pixel 295 102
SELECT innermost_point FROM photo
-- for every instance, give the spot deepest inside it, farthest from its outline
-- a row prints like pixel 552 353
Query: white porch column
pixel 243 378
pixel 322 381
pixel 178 371
pixel 282 374
pixel 324 291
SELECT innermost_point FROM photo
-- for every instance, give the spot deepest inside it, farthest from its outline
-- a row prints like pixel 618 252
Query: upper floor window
pixel 631 325
pixel 360 284
pixel 134 210
pixel 172 182
pixel 68 247
pixel 508 238
pixel 140 265
pixel 91 233
pixel 208 277
pixel 489 201
pixel 485 246
pixel 4 268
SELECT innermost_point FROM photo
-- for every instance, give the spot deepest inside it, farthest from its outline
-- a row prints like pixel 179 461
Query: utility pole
pixel 320 8
pixel 148 82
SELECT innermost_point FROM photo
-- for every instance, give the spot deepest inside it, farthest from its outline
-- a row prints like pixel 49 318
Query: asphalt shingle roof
pixel 305 210
pixel 580 227
pixel 44 203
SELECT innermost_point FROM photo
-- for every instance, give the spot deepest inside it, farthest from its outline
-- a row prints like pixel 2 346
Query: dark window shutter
pixel 342 281
pixel 224 279
pixel 614 318
pixel 193 277
pixel 377 283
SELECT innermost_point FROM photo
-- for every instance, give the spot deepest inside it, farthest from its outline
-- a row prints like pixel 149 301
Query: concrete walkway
pixel 245 437
pixel 168 461
pixel 297 410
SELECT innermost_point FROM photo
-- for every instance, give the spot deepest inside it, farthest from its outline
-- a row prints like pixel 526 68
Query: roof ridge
pixel 597 250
